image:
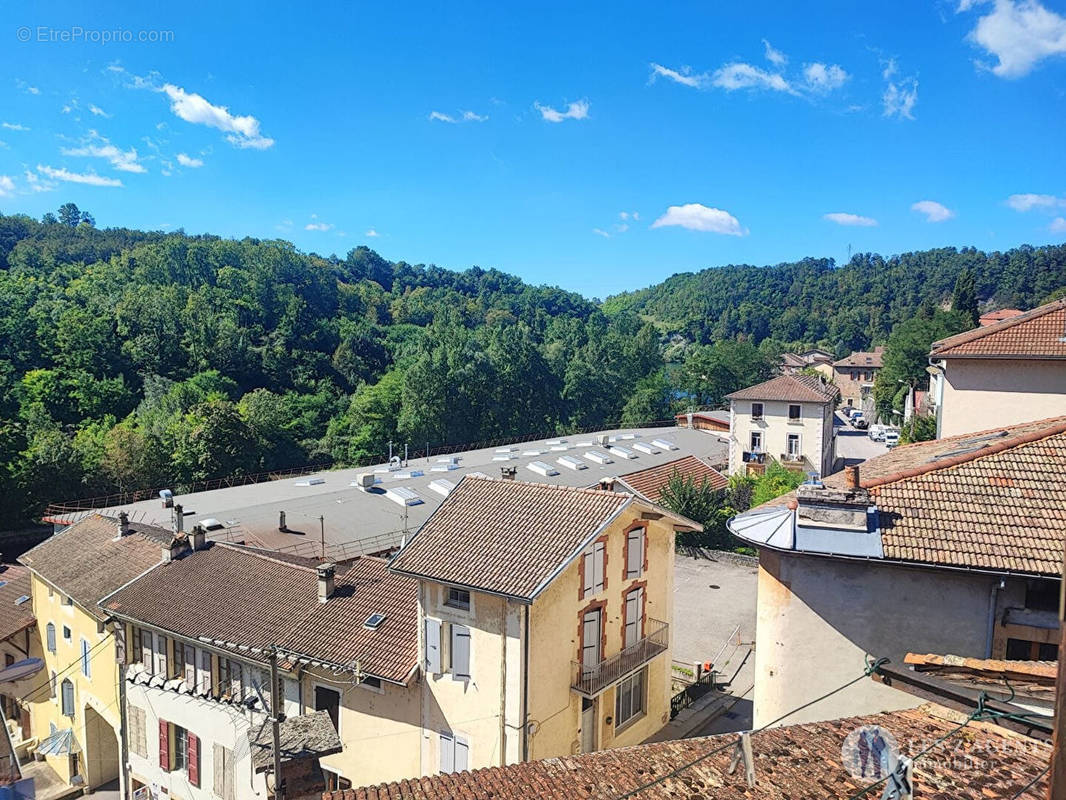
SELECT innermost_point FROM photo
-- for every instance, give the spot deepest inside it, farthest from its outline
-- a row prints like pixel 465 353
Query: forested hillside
pixel 135 360
pixel 845 308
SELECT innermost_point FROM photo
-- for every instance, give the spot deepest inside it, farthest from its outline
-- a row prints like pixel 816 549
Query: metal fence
pixel 591 680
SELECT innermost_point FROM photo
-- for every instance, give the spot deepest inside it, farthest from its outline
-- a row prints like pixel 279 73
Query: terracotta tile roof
pixel 795 388
pixel 991 500
pixel 990 317
pixel 870 359
pixel 14 617
pixel 791 763
pixel 793 360
pixel 507 537
pixel 1040 333
pixel 1032 670
pixel 87 561
pixel 244 595
pixel 648 483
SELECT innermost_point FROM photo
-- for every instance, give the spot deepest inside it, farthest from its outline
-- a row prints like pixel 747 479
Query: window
pixel 189 673
pixel 371 683
pixel 138 736
pixel 335 782
pixel 756 410
pixel 181 748
pixel 52 684
pixel 223 769
pixel 433 659
pixel 591 631
pixel 236 689
pixel 460 652
pixel 594 562
pixel 629 699
pixel 161 655
pixel 794 412
pixel 67 635
pixel 454 753
pixel 222 687
pixel 756 441
pixel 1041 595
pixel 85 658
pixel 327 699
pixel 147 657
pixel 793 446
pixel 458 598
pixel 634 617
pixel 1025 650
pixel 50 635
pixel 635 552
pixel 205 672
pixel 67 690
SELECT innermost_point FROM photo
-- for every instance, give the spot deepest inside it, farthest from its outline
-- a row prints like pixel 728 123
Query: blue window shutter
pixel 447 753
pixel 51 630
pixel 433 666
pixel 68 698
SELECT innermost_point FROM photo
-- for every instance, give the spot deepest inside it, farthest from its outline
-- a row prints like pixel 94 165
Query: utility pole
pixel 276 717
pixel 1056 789
pixel 322 534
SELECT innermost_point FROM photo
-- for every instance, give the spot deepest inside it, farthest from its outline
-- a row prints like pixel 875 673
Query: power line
pixel 1031 783
pixel 49 683
pixel 871 668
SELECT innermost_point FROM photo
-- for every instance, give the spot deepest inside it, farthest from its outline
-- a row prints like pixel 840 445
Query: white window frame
pixel 634 715
pixel 752 447
pixel 794 437
pixel 446 600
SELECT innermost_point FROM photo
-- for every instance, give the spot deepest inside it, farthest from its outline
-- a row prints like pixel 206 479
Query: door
pixel 588 725
pixel 590 645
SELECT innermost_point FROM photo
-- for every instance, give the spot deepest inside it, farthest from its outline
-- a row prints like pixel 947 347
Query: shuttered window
pixel 161 655
pixel 164 746
pixel 50 632
pixel 235 690
pixel 433 660
pixel 190 665
pixel 454 753
pixel 146 651
pixel 67 698
pixel 222 768
pixel 205 681
pixel 594 562
pixel 460 652
pixel 86 668
pixel 192 767
pixel 634 612
pixel 634 553
pixel 138 736
pixel 590 644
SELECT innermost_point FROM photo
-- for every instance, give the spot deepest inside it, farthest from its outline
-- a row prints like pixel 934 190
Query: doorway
pixel 588 725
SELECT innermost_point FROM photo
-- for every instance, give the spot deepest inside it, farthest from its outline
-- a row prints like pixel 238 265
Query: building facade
pixel 1009 371
pixel 18 642
pixel 855 374
pixel 930 550
pixel 788 419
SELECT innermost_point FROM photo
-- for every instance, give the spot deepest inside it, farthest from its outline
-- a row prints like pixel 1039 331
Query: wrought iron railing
pixel 591 680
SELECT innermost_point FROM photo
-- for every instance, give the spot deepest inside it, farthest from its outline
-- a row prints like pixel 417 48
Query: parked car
pixel 877 432
pixel 860 422
pixel 892 437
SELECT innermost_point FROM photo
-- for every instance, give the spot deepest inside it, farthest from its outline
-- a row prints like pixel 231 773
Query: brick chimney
pixel 851 477
pixel 198 537
pixel 326 581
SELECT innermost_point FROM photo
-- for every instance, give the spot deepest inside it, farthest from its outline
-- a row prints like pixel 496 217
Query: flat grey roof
pixel 358 521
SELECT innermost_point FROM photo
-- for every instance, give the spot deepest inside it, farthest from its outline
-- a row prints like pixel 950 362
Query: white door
pixel 588 725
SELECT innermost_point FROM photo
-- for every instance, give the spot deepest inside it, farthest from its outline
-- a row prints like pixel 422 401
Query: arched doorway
pixel 100 759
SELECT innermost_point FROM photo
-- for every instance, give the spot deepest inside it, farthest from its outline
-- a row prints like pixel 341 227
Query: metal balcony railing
pixel 591 680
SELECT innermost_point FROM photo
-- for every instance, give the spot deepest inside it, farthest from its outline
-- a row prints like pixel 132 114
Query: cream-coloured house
pixel 930 548
pixel 854 376
pixel 78 720
pixel 1009 371
pixel 788 419
pixel 544 622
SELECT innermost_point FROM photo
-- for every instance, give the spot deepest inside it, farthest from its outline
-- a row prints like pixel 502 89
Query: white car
pixel 891 437
pixel 877 432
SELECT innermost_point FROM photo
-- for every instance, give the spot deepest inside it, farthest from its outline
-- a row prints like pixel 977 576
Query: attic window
pixel 373 622
pixel 458 598
pixel 23 599
pixel 3 583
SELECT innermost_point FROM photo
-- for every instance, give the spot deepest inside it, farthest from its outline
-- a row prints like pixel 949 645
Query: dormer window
pixel 457 599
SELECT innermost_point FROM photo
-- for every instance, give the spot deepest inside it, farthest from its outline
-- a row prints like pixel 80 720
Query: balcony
pixel 590 681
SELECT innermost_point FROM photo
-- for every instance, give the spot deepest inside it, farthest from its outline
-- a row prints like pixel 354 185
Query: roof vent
pixel 373 622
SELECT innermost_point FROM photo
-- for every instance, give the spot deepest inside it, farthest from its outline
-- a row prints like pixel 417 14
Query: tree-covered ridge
pixel 845 308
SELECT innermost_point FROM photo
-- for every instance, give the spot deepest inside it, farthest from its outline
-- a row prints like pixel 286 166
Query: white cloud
pixel 35 184
pixel 888 68
pixel 372 234
pixel 438 116
pixel 966 5
pixel 628 215
pixel 13 126
pixel 96 146
pixel 314 225
pixel 7 186
pixel 934 211
pixel 33 90
pixel 601 232
pixel 189 161
pixel 744 76
pixel 575 110
pixel 899 99
pixel 470 116
pixel 1027 202
pixel 684 76
pixel 97 111
pixel 698 217
pixel 775 57
pixel 1019 33
pixel 464 116
pixel 243 131
pixel 824 78
pixel 1058 225
pixel 844 218
pixel 88 178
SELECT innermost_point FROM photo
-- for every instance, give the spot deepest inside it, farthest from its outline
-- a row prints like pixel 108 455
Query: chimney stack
pixel 179 518
pixel 199 537
pixel 282 526
pixel 326 581
pixel 508 473
pixel 851 477
pixel 607 484
pixel 123 524
pixel 171 551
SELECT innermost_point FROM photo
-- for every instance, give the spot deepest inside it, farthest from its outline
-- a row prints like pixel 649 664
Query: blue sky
pixel 600 147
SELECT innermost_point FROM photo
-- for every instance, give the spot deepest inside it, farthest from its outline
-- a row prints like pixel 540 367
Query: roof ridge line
pixel 965 337
pixel 261 553
pixel 556 486
pixel 955 461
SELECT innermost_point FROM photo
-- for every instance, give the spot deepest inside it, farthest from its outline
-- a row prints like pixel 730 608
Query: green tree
pixel 70 215
pixel 964 299
pixel 921 428
pixel 773 483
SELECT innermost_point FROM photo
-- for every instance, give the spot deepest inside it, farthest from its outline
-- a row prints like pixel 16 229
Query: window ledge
pixel 629 723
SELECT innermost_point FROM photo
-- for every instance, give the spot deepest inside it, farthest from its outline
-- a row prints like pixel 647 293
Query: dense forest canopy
pixel 133 359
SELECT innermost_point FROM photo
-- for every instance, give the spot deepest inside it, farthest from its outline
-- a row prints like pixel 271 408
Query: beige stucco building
pixel 888 560
pixel 788 419
pixel 854 376
pixel 1010 371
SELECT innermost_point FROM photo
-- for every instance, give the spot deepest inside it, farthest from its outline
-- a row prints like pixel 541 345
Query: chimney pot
pixel 607 484
pixel 326 581
pixel 179 518
pixel 199 537
pixel 123 523
pixel 851 476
